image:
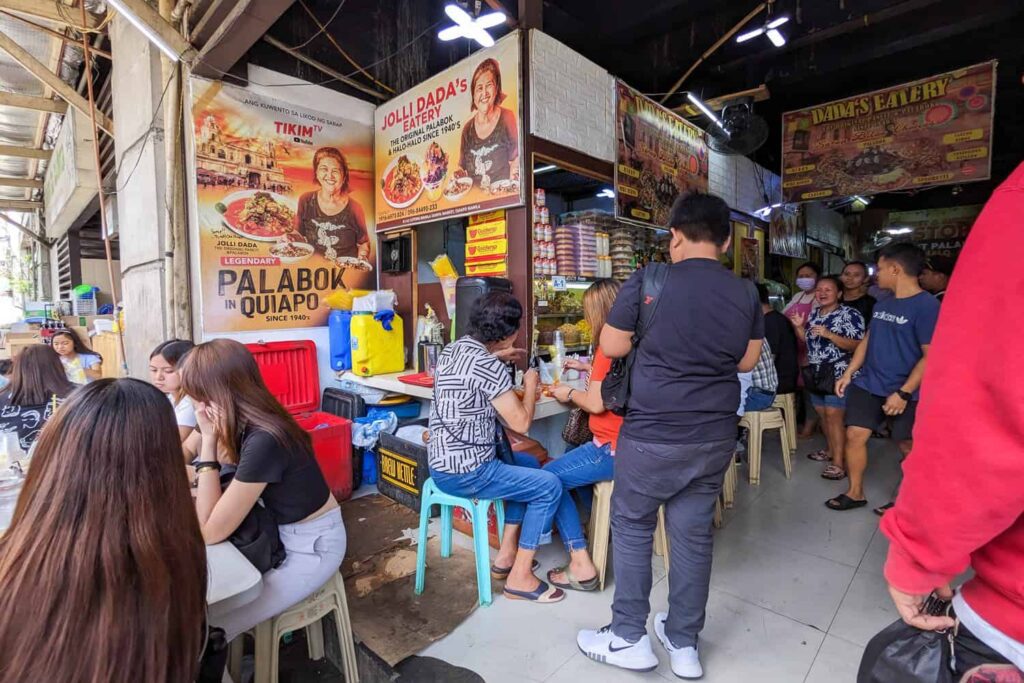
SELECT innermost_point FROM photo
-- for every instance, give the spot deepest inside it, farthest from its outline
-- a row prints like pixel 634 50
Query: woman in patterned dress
pixel 832 332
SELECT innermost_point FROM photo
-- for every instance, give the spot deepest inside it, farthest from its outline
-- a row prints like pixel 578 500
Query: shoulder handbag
pixel 615 388
pixel 819 379
pixel 577 428
pixel 257 537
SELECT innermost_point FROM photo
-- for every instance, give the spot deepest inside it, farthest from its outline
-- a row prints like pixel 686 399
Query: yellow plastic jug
pixel 376 350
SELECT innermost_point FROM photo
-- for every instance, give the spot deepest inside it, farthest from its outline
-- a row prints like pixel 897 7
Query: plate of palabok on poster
pixel 257 214
pixel 354 263
pixel 402 183
pixel 292 248
pixel 459 183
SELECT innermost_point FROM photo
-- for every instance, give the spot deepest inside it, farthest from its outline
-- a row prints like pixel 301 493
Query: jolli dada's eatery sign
pixel 934 131
pixel 451 145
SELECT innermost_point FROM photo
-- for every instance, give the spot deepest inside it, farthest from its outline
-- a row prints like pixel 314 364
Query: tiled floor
pixel 796 593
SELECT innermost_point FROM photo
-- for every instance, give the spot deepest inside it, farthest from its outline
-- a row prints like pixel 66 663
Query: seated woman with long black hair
pixel 103 570
pixel 38 385
pixel 242 424
pixel 472 386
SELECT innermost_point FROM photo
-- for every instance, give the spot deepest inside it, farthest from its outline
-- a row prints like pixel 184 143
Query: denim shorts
pixel 827 401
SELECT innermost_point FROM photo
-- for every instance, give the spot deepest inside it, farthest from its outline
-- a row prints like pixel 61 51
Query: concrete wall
pixel 139 148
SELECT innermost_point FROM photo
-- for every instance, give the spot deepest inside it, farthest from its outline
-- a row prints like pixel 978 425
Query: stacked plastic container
pixel 576 250
pixel 83 301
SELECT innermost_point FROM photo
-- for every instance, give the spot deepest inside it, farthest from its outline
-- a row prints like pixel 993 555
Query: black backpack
pixel 615 386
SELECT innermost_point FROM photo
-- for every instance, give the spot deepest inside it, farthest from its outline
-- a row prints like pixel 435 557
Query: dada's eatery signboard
pixel 451 145
pixel 934 131
pixel 285 208
pixel 659 155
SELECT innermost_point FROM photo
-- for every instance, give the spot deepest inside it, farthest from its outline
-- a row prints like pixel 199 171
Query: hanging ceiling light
pixel 468 27
pixel 769 29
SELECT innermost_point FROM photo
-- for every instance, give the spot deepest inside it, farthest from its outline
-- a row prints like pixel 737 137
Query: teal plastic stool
pixel 477 509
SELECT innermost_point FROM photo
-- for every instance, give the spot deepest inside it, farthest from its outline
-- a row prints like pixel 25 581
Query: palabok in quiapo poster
pixel 285 209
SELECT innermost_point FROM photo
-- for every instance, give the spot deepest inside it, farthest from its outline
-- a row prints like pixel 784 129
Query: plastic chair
pixel 307 614
pixel 728 497
pixel 757 422
pixel 787 404
pixel 477 509
pixel 600 530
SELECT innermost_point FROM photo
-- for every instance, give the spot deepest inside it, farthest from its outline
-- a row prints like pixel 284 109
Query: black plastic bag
pixel 903 654
pixel 215 657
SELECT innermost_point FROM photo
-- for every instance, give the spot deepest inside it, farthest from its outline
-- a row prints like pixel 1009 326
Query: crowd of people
pixel 226 461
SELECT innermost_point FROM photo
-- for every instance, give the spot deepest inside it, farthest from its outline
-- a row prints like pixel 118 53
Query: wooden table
pixel 232 580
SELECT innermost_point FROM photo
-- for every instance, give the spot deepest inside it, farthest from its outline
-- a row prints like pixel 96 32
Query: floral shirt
pixel 844 321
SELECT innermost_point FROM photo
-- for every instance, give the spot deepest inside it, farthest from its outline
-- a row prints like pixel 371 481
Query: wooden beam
pixel 19 205
pixel 39 70
pixel 24 152
pixel 50 31
pixel 148 15
pixel 31 183
pixel 47 9
pixel 10 99
pixel 497 6
pixel 717 44
pixel 760 94
pixel 18 226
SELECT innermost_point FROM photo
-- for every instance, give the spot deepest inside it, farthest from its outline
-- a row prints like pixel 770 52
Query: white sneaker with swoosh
pixel 685 660
pixel 606 647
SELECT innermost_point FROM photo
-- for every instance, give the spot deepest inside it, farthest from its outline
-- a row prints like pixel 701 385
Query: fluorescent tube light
pixel 744 37
pixel 145 29
pixel 778 40
pixel 696 101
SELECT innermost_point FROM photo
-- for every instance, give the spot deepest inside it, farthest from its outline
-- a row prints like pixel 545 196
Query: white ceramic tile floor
pixel 796 592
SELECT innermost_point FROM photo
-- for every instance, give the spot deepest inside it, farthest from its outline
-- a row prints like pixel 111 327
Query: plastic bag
pixel 901 653
pixel 366 430
pixel 380 300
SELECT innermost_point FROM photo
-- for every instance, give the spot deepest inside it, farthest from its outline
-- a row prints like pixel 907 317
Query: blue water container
pixel 339 328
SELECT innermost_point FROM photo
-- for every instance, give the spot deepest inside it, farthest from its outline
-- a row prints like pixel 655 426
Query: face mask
pixel 806 283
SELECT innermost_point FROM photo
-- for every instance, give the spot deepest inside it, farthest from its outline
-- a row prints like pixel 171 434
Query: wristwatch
pixel 905 395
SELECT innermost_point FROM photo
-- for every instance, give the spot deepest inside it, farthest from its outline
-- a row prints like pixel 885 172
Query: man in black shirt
pixel 935 276
pixel 855 289
pixel 679 433
pixel 782 341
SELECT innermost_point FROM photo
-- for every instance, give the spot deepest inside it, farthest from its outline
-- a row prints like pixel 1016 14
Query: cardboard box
pixel 83 334
pixel 16 346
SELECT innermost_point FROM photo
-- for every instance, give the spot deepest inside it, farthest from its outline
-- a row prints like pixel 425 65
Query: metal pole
pixel 99 182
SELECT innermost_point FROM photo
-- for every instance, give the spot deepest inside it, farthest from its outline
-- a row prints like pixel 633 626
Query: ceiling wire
pixel 341 51
pixel 323 27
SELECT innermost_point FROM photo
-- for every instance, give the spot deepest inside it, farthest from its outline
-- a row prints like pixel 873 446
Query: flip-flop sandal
pixel 574 584
pixel 501 573
pixel 819 456
pixel 882 509
pixel 543 594
pixel 844 502
pixel 833 473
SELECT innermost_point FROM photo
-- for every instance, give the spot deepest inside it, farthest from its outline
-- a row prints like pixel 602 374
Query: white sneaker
pixel 606 647
pixel 685 660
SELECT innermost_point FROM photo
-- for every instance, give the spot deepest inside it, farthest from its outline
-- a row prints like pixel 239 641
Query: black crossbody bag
pixel 615 388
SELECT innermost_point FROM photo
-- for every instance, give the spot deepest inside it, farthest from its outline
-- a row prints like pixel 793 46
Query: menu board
pixel 934 131
pixel 284 208
pixel 451 146
pixel 659 155
pixel 939 232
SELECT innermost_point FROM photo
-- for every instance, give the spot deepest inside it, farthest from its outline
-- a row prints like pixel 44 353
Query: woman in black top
pixel 243 425
pixel 38 385
pixel 330 218
pixel 490 139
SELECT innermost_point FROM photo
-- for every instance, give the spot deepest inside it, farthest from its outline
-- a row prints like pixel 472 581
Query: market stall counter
pixel 548 419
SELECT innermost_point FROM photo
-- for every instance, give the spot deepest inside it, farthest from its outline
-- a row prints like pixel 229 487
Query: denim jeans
pixel 587 464
pixel 531 495
pixel 758 399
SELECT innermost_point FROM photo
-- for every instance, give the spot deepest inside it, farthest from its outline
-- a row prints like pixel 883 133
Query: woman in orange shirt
pixel 592 462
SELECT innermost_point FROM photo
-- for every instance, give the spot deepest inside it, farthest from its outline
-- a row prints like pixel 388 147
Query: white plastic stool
pixel 729 486
pixel 757 422
pixel 787 404
pixel 307 614
pixel 600 530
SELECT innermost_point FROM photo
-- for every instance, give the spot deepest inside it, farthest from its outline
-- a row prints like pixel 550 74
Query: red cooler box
pixel 290 371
